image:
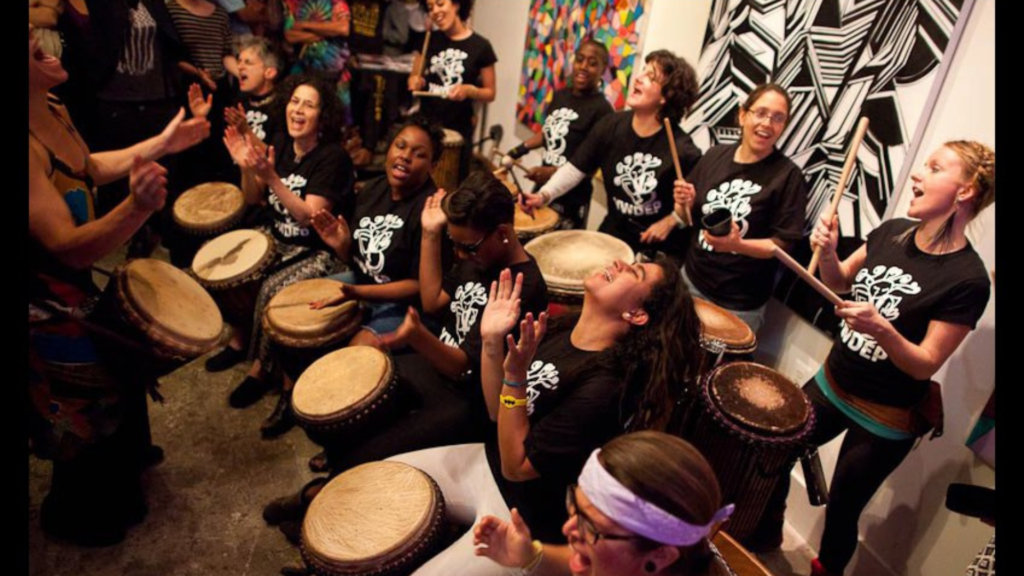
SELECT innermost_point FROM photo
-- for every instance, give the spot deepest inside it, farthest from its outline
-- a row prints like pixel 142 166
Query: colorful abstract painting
pixel 556 28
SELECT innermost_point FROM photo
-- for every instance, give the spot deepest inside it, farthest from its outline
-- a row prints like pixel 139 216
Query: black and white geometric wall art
pixel 839 60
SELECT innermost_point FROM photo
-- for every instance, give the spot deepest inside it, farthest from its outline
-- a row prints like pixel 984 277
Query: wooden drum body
pixel 723 334
pixel 158 304
pixel 232 267
pixel 567 257
pixel 446 173
pixel 300 334
pixel 752 424
pixel 344 392
pixel 375 519
pixel 528 227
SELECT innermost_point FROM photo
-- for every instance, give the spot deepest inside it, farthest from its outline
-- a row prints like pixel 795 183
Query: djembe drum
pixel 344 392
pixel 210 209
pixel 752 424
pixel 232 267
pixel 300 335
pixel 446 173
pixel 528 227
pixel 378 518
pixel 156 303
pixel 567 257
pixel 723 334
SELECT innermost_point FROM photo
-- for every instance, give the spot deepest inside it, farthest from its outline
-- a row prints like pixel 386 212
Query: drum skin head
pixel 567 257
pixel 231 256
pixel 370 515
pixel 452 138
pixel 544 219
pixel 341 383
pixel 209 206
pixel 759 398
pixel 289 314
pixel 172 302
pixel 719 324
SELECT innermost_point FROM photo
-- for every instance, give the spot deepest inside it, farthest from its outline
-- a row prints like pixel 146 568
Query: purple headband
pixel 638 515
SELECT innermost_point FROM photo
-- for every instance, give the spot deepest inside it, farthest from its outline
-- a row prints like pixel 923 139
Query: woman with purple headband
pixel 666 506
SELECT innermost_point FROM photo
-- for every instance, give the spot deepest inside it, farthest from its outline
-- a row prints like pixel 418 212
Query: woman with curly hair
pixel 304 170
pixel 635 157
pixel 560 392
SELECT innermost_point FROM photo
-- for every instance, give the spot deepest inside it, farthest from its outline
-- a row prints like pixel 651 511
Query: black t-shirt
pixel 325 171
pixel 910 288
pixel 259 114
pixel 367 26
pixel 568 121
pixel 767 199
pixel 638 172
pixel 468 285
pixel 573 409
pixel 386 232
pixel 450 62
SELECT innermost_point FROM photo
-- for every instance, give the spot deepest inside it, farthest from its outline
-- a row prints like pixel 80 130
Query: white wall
pixel 906 529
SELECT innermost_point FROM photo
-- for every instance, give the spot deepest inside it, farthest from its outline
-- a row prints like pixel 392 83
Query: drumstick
pixel 851 157
pixel 806 276
pixel 679 169
pixel 423 52
pixel 515 162
pixel 426 94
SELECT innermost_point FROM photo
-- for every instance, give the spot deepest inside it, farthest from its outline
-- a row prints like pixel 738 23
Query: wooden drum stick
pixel 851 157
pixel 679 169
pixel 423 52
pixel 806 276
pixel 426 94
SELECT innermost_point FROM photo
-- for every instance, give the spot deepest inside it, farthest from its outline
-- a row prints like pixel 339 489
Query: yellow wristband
pixel 538 553
pixel 511 401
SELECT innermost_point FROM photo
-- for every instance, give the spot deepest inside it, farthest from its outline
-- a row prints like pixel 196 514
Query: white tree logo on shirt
pixel 556 126
pixel 735 197
pixel 884 287
pixel 449 65
pixel 256 119
pixel 466 304
pixel 289 228
pixel 374 238
pixel 637 177
pixel 540 375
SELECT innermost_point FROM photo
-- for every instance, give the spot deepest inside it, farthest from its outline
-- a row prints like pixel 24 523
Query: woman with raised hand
pixel 88 410
pixel 303 170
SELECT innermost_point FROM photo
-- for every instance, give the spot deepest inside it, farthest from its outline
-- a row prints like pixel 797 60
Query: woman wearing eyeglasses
pixel 646 503
pixel 635 157
pixel 766 196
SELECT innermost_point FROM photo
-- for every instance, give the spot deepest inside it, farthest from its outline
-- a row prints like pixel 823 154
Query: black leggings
pixel 865 461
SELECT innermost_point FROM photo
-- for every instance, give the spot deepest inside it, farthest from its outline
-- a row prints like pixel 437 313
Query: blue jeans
pixel 382 317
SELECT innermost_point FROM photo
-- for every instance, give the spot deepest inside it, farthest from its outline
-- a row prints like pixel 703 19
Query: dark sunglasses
pixel 469 248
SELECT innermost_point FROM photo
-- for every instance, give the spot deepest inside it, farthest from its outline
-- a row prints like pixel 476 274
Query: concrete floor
pixel 206 498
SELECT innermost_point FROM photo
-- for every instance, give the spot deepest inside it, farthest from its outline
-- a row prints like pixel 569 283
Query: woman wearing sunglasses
pixel 646 503
pixel 765 195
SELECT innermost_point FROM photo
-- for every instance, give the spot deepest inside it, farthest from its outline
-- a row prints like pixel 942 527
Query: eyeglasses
pixel 762 114
pixel 469 248
pixel 588 532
